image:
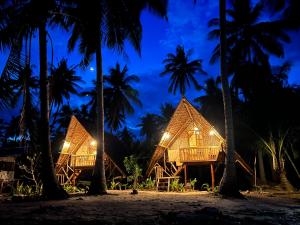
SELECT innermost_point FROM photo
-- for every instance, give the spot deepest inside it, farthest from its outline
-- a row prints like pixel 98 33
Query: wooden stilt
pixel 185 174
pixel 212 176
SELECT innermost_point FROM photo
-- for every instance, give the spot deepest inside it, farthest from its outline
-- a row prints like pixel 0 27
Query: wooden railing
pixel 82 160
pixel 199 154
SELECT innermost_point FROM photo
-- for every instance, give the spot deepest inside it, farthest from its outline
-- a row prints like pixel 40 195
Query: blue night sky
pixel 186 25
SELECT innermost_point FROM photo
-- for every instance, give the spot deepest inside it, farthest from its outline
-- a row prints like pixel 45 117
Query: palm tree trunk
pixel 262 174
pixel 51 188
pixel 98 184
pixel 228 184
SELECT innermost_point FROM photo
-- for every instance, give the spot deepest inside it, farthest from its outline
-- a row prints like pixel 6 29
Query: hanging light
pixel 93 143
pixel 196 130
pixel 66 145
pixel 212 132
pixel 166 136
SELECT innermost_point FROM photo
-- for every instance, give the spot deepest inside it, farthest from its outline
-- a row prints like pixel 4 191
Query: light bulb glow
pixel 166 136
pixel 93 143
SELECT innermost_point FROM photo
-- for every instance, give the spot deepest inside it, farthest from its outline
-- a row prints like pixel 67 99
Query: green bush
pixel 72 189
pixel 205 187
pixel 133 169
pixel 28 190
pixel 149 184
pixel 176 186
pixel 114 185
pixel 193 182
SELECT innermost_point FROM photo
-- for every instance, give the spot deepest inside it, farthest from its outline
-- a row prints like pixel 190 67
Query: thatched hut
pixel 189 139
pixel 79 153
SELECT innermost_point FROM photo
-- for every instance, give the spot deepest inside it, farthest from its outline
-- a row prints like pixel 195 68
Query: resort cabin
pixel 79 153
pixel 189 139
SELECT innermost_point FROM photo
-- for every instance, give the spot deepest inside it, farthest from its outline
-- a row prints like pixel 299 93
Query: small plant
pixel 134 170
pixel 216 189
pixel 176 186
pixel 27 190
pixel 205 187
pixel 72 189
pixel 30 169
pixel 149 184
pixel 193 182
pixel 114 185
pixel 181 187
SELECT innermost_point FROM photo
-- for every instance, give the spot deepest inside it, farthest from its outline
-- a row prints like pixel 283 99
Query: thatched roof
pixel 76 137
pixel 184 116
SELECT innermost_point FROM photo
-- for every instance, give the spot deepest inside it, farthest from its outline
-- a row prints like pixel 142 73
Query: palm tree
pixel 62 83
pixel 166 112
pixel 211 102
pixel 228 184
pixel 23 87
pixel 6 93
pixel 288 10
pixel 149 127
pixel 119 96
pixel 106 23
pixel 250 42
pixel 276 145
pixel 182 70
pixel 27 17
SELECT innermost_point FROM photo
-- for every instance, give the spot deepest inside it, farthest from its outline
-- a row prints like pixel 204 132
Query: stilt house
pixel 189 139
pixel 79 153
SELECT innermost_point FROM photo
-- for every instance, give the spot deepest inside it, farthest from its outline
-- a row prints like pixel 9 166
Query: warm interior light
pixel 166 136
pixel 196 130
pixel 212 132
pixel 93 143
pixel 66 145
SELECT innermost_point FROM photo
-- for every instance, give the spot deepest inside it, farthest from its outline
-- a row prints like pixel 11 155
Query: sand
pixel 120 207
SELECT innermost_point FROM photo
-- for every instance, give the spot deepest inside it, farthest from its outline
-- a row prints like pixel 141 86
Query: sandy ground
pixel 120 207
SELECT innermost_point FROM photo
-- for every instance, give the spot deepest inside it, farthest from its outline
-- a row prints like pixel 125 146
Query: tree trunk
pixel 51 187
pixel 228 184
pixel 262 174
pixel 98 184
pixel 283 181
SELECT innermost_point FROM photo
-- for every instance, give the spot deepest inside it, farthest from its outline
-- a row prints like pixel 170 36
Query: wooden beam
pixel 212 176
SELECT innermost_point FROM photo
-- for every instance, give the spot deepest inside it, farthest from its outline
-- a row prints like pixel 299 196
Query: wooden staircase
pixel 164 177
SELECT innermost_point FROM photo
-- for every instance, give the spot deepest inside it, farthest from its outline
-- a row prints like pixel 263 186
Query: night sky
pixel 186 25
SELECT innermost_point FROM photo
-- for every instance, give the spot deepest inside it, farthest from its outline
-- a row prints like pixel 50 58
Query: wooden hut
pixel 79 153
pixel 189 139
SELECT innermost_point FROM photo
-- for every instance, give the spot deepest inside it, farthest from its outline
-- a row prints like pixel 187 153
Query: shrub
pixel 205 187
pixel 193 182
pixel 149 184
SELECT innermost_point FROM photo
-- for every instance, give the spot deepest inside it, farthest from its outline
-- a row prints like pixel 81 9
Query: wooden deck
pixel 199 154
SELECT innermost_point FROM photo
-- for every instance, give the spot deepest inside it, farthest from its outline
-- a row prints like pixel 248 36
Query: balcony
pixel 82 160
pixel 199 154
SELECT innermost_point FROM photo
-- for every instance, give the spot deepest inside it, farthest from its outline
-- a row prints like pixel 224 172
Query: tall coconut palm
pixel 182 70
pixel 28 17
pixel 119 96
pixel 149 127
pixel 250 42
pixel 62 83
pixel 24 86
pixel 106 23
pixel 228 184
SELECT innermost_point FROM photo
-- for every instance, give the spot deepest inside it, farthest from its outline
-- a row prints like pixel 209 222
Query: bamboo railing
pixel 82 160
pixel 199 154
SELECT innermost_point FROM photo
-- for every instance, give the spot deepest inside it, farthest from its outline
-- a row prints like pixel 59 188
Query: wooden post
pixel 185 174
pixel 212 176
